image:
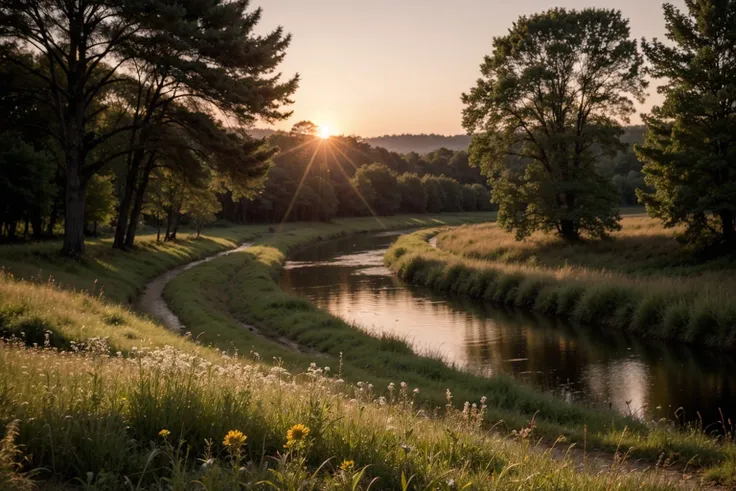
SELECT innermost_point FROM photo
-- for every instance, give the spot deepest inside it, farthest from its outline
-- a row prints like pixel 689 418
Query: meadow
pixel 640 279
pixel 108 399
pixel 166 419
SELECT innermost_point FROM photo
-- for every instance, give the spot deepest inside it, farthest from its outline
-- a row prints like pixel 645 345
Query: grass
pixel 638 280
pixel 160 420
pixel 90 401
pixel 119 276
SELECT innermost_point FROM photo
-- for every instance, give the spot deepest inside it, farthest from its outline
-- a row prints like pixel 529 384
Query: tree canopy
pixel 549 104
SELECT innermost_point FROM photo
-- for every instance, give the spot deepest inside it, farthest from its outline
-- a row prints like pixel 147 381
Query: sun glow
pixel 324 131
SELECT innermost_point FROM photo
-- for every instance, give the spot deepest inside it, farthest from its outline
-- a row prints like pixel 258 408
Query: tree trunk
pixel 172 235
pixel 36 226
pixel 76 191
pixel 158 229
pixel 569 227
pixel 728 226
pixel 568 230
pixel 124 208
pixel 56 204
pixel 169 219
pixel 25 227
pixel 140 193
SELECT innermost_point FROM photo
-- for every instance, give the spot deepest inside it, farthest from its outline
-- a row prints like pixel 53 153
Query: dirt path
pixel 152 301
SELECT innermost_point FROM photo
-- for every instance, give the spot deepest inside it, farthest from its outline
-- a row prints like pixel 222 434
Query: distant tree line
pixel 316 179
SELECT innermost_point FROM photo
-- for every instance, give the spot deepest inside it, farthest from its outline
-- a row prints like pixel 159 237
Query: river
pixel 605 367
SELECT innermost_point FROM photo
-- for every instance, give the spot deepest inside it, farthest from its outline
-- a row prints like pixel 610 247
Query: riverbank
pixel 217 301
pixel 217 296
pixel 638 281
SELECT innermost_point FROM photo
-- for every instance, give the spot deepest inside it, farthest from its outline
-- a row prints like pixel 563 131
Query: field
pixel 640 279
pixel 86 408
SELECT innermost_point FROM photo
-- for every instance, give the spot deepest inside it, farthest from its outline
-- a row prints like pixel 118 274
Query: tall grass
pixel 698 305
pixel 161 419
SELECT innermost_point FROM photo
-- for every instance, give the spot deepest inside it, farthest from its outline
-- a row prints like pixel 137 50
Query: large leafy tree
pixel 549 104
pixel 690 150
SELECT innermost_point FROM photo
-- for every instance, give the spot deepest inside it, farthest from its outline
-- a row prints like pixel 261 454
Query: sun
pixel 324 131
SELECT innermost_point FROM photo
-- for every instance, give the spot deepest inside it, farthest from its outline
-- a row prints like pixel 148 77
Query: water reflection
pixel 601 366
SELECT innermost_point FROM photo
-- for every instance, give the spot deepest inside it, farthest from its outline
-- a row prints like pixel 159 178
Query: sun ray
pixel 365 202
pixel 370 159
pixel 280 154
pixel 299 187
pixel 346 157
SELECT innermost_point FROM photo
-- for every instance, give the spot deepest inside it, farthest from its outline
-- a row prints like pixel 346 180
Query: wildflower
pixel 296 434
pixel 164 433
pixel 403 385
pixel 234 439
pixel 416 391
pixel 382 401
pixel 347 465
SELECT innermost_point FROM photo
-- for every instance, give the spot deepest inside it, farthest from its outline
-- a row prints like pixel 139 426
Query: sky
pixel 379 67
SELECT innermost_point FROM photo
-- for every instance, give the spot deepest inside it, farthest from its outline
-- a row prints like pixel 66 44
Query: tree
pixel 201 53
pixel 100 205
pixel 435 195
pixel 469 201
pixel 548 105
pixel 690 150
pixel 24 186
pixel 482 197
pixel 413 195
pixel 304 128
pixel 452 192
pixel 386 192
pixel 202 206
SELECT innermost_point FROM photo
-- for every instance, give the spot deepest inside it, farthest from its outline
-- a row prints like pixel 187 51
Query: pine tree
pixel 690 149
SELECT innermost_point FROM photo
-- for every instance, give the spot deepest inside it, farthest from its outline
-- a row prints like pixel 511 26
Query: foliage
pixel 413 195
pixel 689 154
pixel 25 189
pixel 541 115
pixel 100 204
pixel 201 205
pixel 435 193
pixel 386 195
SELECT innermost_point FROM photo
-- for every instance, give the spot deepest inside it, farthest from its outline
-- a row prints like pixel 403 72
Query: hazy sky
pixel 399 66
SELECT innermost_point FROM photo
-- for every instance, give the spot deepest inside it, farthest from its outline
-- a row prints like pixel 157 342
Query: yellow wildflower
pixel 234 439
pixel 296 434
pixel 164 433
pixel 347 465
